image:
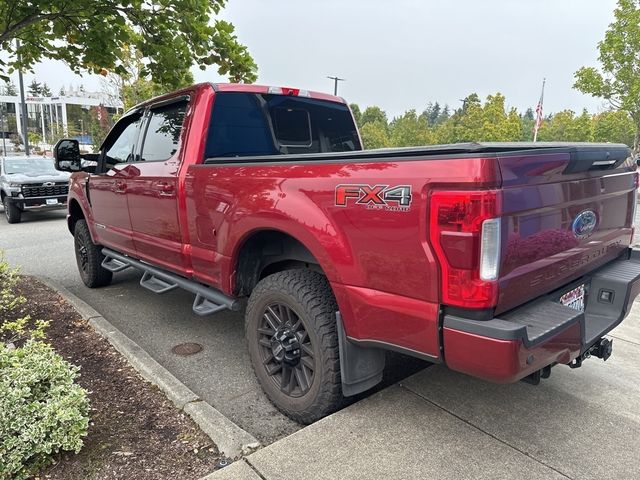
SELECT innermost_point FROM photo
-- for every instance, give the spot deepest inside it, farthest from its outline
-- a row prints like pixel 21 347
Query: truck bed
pixel 578 150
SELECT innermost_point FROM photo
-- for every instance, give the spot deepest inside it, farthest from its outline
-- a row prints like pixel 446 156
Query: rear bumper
pixel 542 332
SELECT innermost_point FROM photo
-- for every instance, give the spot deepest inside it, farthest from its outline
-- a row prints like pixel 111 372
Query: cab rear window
pixel 247 124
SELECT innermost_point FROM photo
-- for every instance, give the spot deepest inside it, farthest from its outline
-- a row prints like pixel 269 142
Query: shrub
pixel 42 410
pixel 15 325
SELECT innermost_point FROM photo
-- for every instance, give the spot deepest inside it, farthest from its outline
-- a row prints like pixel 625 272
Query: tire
pixel 290 327
pixel 11 211
pixel 89 258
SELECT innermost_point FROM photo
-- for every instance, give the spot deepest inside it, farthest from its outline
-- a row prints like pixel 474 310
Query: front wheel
pixel 89 258
pixel 293 344
pixel 11 211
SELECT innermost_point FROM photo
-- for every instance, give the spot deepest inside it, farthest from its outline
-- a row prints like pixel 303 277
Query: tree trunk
pixel 636 142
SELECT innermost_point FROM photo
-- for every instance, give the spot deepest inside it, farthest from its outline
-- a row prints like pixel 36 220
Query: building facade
pixel 50 118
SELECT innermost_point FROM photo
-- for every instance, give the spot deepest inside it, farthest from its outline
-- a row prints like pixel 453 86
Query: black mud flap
pixel 361 368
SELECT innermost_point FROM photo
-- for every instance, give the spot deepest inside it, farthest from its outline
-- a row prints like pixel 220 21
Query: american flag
pixel 539 117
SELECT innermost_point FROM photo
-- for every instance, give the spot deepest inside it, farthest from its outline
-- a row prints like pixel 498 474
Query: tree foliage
pixel 171 35
pixel 618 78
pixel 490 121
pixel 34 88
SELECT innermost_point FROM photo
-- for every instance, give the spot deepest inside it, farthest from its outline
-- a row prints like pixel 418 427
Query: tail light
pixel 465 232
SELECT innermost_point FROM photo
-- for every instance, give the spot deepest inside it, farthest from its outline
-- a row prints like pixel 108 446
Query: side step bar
pixel 207 301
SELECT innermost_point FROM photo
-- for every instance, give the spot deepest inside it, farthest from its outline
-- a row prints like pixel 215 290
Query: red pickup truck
pixel 497 260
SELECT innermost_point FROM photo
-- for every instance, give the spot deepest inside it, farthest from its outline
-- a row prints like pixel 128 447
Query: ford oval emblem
pixel 584 224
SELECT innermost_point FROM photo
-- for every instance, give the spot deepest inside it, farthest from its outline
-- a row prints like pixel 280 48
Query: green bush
pixel 42 410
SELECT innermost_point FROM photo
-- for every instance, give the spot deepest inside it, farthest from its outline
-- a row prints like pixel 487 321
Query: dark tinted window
pixel 238 127
pixel 163 132
pixel 244 124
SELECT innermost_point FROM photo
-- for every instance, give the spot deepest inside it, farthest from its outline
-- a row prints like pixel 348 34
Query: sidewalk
pixel 581 423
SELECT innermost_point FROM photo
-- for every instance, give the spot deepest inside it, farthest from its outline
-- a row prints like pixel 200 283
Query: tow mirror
pixel 67 155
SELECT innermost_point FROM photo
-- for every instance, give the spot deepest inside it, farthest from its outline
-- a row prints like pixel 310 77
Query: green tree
pixel 528 122
pixel 618 79
pixel 409 130
pixel 374 135
pixel 46 91
pixel 172 35
pixel 432 113
pixel 10 88
pixel 35 88
pixel 374 115
pixel 615 126
pixel 565 126
pixel 135 86
pixel 357 114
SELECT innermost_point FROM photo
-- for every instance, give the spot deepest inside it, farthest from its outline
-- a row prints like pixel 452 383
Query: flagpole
pixel 539 112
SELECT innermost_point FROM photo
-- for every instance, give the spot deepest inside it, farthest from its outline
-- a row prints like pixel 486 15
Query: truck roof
pixel 242 87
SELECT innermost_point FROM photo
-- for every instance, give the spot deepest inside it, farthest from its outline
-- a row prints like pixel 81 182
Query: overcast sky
pixel 401 54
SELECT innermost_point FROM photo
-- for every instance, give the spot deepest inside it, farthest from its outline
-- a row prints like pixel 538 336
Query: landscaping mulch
pixel 135 432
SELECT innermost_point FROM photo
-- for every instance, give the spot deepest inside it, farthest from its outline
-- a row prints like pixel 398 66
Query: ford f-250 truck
pixel 497 260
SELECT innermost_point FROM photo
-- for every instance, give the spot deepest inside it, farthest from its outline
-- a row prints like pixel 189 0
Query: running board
pixel 208 300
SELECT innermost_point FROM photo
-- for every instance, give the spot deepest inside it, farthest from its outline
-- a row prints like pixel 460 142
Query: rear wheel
pixel 291 334
pixel 89 258
pixel 11 211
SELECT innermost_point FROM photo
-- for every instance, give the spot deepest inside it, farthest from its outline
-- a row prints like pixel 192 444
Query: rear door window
pixel 164 127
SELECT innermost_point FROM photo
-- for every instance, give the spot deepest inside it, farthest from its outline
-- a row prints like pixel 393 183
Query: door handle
pixel 165 189
pixel 120 186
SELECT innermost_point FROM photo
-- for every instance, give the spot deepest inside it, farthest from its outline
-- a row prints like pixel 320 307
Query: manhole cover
pixel 186 349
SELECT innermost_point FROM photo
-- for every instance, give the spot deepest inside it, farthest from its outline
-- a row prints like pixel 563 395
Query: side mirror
pixel 66 155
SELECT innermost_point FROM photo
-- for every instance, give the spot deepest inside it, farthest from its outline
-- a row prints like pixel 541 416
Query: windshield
pixel 40 166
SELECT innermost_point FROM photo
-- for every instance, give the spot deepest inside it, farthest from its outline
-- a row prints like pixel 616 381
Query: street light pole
pixel 335 83
pixel 4 133
pixel 23 105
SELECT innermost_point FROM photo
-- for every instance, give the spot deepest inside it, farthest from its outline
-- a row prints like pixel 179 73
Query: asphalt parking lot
pixel 220 374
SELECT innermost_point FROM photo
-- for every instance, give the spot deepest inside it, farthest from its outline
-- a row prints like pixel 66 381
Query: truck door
pixel 107 189
pixel 152 188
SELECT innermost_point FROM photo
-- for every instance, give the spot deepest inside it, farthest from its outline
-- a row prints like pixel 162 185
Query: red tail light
pixel 456 229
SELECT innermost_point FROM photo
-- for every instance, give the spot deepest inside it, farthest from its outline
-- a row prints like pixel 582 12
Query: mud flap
pixel 361 368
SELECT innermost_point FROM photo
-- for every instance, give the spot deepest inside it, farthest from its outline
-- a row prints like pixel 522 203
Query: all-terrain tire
pixel 311 306
pixel 89 258
pixel 11 211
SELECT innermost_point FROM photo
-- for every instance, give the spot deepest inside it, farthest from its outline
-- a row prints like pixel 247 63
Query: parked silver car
pixel 31 183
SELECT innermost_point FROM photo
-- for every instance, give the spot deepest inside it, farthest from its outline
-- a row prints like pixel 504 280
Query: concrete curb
pixel 231 440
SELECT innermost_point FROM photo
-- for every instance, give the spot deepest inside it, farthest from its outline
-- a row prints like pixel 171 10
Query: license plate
pixel 574 298
pixel 52 201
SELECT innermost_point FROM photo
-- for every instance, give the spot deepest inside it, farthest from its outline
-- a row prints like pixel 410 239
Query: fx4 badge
pixel 377 197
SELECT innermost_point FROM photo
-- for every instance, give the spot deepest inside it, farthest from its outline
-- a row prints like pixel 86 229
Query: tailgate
pixel 567 211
